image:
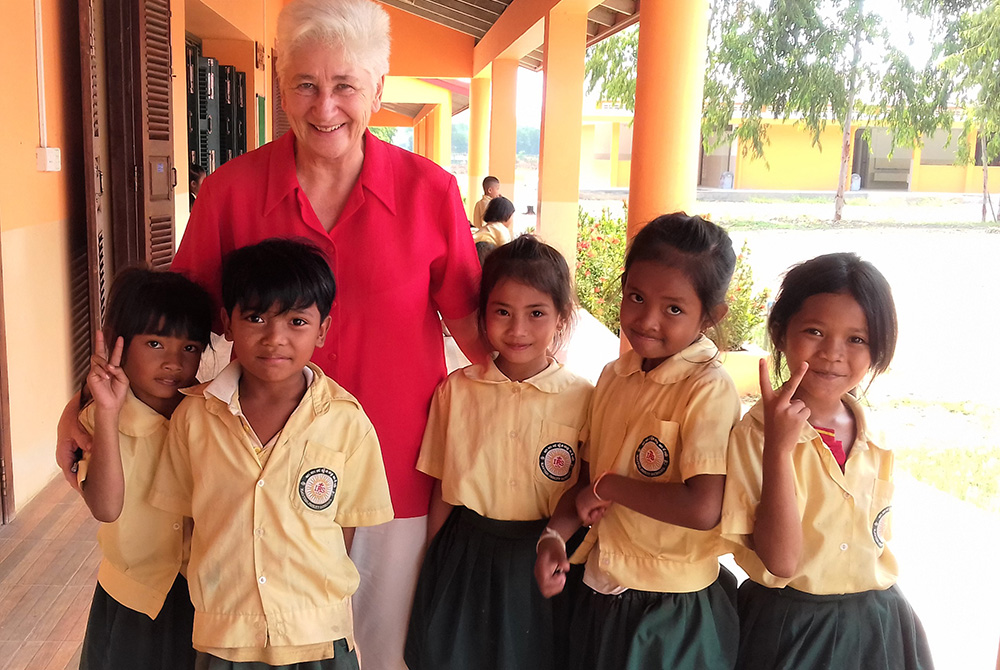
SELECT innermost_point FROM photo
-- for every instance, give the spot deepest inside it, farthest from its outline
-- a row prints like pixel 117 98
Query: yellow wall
pixel 791 163
pixel 37 210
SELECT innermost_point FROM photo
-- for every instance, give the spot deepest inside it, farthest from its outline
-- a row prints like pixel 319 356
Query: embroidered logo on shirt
pixel 557 461
pixel 317 488
pixel 879 527
pixel 652 458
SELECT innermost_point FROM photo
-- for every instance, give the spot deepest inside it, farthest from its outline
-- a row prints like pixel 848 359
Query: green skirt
pixel 119 638
pixel 344 659
pixel 643 630
pixel 477 604
pixel 789 629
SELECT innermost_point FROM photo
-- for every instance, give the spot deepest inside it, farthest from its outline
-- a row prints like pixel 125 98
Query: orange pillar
pixel 433 137
pixel 503 126
pixel 442 131
pixel 479 129
pixel 562 124
pixel 668 94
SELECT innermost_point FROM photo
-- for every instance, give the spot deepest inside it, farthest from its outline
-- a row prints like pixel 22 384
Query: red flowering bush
pixel 600 258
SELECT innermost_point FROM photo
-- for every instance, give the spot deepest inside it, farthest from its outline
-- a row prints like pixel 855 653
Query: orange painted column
pixel 479 130
pixel 433 136
pixel 442 133
pixel 562 124
pixel 668 95
pixel 503 126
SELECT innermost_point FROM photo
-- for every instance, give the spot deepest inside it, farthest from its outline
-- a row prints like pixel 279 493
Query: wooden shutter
pixel 143 177
pixel 279 122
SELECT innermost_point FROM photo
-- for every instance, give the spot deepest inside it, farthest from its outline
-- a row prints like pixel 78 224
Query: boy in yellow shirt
pixel 491 189
pixel 276 464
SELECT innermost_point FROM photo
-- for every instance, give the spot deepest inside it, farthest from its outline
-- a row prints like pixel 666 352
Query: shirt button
pixel 177 526
pixel 259 532
pixel 513 434
pixel 260 484
pixel 843 547
pixel 262 579
pixel 513 483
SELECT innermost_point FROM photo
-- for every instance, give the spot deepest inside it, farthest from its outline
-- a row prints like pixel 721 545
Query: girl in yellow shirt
pixel 141 615
pixel 502 442
pixel 653 593
pixel 809 492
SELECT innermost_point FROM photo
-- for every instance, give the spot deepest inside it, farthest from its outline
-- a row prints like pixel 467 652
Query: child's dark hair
pixel 484 249
pixel 529 261
pixel 280 274
pixel 196 171
pixel 839 273
pixel 489 182
pixel 499 210
pixel 700 248
pixel 144 301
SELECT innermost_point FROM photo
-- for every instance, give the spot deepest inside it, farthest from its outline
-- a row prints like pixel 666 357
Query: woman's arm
pixel 438 512
pixel 467 336
pixel 70 437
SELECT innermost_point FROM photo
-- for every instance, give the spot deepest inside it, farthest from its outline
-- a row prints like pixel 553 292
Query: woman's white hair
pixel 361 27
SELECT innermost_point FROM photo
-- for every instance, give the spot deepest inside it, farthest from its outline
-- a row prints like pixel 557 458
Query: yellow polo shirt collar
pixel 550 380
pixel 679 366
pixel 137 419
pixel 809 434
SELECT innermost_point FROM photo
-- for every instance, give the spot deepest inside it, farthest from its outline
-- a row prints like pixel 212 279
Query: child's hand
pixel 784 416
pixel 590 508
pixel 107 381
pixel 551 567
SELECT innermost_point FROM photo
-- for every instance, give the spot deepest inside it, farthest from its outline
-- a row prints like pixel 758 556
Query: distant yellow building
pixel 791 162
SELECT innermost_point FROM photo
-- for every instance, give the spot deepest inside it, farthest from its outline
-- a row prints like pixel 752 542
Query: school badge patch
pixel 878 528
pixel 652 458
pixel 317 488
pixel 557 461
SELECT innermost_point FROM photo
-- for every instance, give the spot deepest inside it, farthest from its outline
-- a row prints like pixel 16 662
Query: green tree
pixel 812 60
pixel 384 133
pixel 976 67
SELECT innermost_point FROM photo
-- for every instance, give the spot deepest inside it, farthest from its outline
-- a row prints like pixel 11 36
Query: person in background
pixel 197 175
pixel 491 189
pixel 498 220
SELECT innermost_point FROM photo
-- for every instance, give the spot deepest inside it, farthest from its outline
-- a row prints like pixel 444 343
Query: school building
pixel 791 161
pixel 106 102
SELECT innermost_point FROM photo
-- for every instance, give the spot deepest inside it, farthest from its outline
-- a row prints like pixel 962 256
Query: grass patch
pixel 800 199
pixel 970 474
pixel 963 407
pixel 809 223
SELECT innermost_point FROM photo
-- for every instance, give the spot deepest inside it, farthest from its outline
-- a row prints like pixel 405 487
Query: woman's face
pixel 328 101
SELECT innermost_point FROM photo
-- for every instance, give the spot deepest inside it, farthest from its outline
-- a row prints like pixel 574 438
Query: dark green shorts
pixel 344 659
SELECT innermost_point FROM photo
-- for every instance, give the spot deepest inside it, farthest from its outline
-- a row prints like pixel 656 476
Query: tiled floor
pixel 48 569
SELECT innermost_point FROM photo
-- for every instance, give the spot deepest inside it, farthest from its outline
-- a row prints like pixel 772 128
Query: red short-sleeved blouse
pixel 400 252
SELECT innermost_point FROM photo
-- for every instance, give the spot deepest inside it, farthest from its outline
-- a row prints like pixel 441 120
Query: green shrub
pixel 600 258
pixel 747 309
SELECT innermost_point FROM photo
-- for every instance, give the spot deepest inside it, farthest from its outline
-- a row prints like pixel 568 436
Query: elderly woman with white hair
pixel 393 228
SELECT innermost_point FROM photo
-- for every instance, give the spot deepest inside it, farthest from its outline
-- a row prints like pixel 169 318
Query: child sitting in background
pixel 158 323
pixel 498 222
pixel 491 189
pixel 276 464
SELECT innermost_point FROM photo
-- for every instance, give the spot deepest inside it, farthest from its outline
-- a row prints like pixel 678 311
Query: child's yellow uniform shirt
pixel 269 575
pixel 845 515
pixel 144 549
pixel 507 450
pixel 494 233
pixel 666 425
pixel 479 210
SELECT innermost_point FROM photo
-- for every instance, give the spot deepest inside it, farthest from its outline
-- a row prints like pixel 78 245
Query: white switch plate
pixel 49 159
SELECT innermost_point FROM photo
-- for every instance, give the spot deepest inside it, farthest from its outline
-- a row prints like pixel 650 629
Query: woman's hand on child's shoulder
pixel 107 381
pixel 784 416
pixel 551 567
